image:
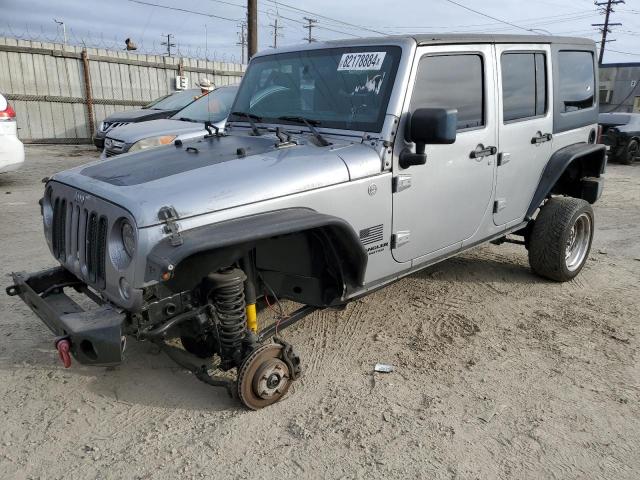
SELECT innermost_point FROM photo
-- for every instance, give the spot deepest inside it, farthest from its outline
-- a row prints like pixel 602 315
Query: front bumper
pixel 95 335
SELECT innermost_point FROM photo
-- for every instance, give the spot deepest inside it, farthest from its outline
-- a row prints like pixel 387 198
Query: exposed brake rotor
pixel 264 377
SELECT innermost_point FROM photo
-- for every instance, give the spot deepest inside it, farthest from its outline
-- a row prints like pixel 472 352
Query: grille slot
pixel 80 235
pixel 59 228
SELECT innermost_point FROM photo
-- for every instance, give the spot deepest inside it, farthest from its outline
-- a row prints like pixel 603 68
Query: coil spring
pixel 229 302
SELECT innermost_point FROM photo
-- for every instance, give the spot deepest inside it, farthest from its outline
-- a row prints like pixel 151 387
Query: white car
pixel 11 149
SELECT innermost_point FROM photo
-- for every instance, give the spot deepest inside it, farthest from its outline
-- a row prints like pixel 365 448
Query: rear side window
pixel 452 81
pixel 524 85
pixel 577 80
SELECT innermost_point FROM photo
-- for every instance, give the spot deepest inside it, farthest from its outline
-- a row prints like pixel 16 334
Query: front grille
pixel 109 153
pixel 78 234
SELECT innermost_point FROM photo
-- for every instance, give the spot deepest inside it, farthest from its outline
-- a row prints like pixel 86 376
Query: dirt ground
pixel 499 374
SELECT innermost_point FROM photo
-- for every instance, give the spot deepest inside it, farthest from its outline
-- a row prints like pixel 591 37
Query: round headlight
pixel 128 238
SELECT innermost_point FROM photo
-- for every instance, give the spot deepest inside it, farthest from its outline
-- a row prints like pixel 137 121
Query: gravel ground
pixel 499 374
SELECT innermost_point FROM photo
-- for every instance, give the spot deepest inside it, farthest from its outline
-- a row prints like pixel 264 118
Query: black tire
pixel 561 223
pixel 630 152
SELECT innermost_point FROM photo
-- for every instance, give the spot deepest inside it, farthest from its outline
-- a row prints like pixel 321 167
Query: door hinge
pixel 168 216
pixel 401 182
pixel 503 158
pixel 400 238
pixel 499 205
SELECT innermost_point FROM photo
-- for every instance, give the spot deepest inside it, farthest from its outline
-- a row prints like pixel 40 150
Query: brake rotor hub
pixel 270 378
pixel 264 377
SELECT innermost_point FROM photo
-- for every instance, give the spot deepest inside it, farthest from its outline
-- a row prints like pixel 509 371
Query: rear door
pixel 525 126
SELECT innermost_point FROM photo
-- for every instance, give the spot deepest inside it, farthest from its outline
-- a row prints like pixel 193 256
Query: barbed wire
pixel 99 40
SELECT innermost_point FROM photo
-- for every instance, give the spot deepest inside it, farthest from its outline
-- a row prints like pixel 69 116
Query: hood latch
pixel 168 216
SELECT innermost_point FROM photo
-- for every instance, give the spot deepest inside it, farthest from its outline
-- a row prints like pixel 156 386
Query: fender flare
pixel 247 230
pixel 558 164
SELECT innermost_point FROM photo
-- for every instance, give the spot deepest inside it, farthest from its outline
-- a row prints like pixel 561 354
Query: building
pixel 620 87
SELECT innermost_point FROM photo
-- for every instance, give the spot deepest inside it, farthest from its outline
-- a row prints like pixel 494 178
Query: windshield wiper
pixel 252 118
pixel 185 119
pixel 310 123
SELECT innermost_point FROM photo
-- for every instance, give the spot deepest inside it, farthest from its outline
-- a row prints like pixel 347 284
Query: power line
pixel 542 20
pixel 342 22
pixel 289 19
pixel 625 53
pixel 184 10
pixel 488 16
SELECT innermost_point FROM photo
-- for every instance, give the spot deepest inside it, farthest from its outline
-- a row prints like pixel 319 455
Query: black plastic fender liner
pixel 559 162
pixel 164 257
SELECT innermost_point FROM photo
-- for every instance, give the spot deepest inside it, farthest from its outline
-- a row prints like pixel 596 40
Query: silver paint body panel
pixel 446 206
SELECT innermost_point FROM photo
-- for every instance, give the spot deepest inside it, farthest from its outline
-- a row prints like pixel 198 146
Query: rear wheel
pixel 561 238
pixel 630 152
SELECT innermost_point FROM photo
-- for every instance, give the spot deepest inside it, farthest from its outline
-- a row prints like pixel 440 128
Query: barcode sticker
pixel 361 61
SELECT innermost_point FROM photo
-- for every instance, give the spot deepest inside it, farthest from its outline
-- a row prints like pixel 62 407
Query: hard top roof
pixel 434 39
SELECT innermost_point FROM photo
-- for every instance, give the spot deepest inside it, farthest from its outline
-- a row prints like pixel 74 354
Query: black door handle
pixel 481 151
pixel 541 138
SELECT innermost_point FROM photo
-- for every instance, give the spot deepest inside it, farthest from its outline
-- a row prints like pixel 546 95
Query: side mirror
pixel 433 126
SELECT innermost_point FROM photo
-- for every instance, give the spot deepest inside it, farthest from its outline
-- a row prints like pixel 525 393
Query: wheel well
pixel 570 181
pixel 315 266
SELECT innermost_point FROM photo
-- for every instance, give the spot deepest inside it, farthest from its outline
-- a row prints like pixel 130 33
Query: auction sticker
pixel 361 61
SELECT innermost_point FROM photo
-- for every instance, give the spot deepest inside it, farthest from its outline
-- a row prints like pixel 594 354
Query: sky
pixel 210 28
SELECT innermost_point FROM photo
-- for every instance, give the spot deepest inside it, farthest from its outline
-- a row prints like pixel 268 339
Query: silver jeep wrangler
pixel 345 166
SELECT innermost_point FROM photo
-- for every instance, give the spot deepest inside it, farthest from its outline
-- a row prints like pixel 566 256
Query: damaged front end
pixel 94 337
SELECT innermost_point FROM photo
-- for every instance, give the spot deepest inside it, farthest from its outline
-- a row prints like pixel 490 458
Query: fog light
pixel 125 289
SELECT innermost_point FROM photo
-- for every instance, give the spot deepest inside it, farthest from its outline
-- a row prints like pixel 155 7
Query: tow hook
pixel 63 345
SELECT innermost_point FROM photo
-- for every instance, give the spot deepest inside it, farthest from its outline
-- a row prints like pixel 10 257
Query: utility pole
pixel 168 43
pixel 607 10
pixel 252 20
pixel 311 23
pixel 64 30
pixel 242 38
pixel 275 27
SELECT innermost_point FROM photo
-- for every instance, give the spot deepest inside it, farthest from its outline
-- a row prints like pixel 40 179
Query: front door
pixel 438 205
pixel 525 127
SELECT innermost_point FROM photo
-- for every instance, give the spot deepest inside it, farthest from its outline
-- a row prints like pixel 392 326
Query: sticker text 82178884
pixel 361 61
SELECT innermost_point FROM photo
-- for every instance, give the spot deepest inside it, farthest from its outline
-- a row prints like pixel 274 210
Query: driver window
pixel 452 81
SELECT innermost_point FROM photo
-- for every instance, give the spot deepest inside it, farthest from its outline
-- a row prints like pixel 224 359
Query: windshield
pixel 213 107
pixel 342 88
pixel 174 101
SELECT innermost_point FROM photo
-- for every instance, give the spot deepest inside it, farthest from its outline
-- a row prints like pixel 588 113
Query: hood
pixel 138 115
pixel 137 131
pixel 215 173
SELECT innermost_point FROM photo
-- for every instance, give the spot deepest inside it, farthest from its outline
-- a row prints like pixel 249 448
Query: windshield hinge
pixel 168 216
pixel 400 238
pixel 401 182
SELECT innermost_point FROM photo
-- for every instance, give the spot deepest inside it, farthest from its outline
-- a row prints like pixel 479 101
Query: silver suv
pixel 345 166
